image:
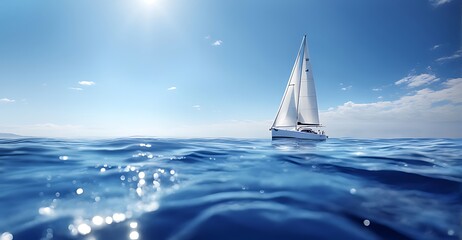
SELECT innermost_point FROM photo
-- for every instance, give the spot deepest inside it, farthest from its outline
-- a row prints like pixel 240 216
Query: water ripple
pixel 150 188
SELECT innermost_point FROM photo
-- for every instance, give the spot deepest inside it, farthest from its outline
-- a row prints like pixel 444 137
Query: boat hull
pixel 280 133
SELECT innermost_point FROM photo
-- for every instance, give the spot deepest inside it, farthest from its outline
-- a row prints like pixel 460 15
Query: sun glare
pixel 149 2
pixel 150 6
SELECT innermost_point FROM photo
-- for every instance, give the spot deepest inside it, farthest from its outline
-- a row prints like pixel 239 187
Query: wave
pixel 231 188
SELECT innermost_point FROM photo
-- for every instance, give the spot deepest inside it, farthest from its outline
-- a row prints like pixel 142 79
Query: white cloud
pixel 76 88
pixel 457 54
pixel 207 37
pixel 171 88
pixel 87 83
pixel 346 88
pixel 417 80
pixel 380 97
pixel 437 3
pixel 197 107
pixel 425 113
pixel 7 100
pixel 217 43
pixel 376 89
pixel 435 47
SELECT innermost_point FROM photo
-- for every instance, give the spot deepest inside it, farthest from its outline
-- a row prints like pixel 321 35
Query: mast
pixel 303 48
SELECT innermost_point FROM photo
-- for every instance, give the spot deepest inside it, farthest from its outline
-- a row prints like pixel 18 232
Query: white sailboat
pixel 298 115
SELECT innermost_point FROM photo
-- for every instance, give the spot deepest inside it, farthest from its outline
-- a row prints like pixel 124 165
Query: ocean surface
pixel 148 188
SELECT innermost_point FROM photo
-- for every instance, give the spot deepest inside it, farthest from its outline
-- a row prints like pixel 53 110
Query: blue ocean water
pixel 147 188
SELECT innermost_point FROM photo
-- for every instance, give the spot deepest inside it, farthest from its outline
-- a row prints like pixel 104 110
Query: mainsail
pixel 299 105
pixel 308 105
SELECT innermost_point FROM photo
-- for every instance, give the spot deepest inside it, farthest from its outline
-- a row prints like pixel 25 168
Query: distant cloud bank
pixel 424 113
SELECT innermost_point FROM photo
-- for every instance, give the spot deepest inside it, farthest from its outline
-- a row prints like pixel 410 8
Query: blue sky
pixel 210 68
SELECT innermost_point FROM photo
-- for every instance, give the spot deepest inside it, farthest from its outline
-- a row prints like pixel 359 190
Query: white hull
pixel 280 133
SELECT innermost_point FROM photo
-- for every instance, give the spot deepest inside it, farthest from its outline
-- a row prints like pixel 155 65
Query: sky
pixel 207 68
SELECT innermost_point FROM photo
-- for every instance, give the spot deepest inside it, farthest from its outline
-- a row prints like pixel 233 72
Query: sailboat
pixel 298 115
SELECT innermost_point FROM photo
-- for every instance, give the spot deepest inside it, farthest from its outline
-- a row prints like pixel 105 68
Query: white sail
pixel 298 111
pixel 307 103
pixel 287 115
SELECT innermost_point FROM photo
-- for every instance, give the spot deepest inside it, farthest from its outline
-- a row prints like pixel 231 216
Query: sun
pixel 150 2
pixel 149 9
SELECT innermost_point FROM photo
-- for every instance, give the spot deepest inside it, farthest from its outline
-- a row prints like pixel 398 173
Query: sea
pixel 157 188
